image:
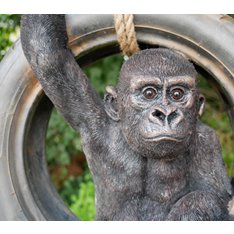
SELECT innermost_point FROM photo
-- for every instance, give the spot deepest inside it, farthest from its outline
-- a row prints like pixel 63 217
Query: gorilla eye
pixel 150 93
pixel 177 94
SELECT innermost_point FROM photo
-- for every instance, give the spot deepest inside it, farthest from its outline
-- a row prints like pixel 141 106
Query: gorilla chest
pixel 144 178
pixel 140 190
pixel 165 181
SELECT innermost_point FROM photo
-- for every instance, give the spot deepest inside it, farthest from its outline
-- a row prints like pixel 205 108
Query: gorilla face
pixel 159 115
pixel 157 102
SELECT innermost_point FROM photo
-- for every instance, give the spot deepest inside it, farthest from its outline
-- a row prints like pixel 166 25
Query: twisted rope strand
pixel 126 34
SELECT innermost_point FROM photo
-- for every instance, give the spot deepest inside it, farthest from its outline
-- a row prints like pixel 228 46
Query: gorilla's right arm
pixel 44 41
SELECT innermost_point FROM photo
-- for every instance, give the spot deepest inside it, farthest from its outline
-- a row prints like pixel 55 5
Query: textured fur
pixel 134 179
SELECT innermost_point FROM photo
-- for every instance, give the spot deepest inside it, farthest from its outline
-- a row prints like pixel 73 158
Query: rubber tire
pixel 26 191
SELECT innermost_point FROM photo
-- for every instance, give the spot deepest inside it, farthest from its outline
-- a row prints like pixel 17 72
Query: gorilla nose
pixel 163 116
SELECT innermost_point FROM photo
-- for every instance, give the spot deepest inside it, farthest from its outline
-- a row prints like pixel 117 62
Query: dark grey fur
pixel 136 178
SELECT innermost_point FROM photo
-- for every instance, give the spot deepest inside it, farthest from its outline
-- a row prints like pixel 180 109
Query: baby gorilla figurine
pixel 149 155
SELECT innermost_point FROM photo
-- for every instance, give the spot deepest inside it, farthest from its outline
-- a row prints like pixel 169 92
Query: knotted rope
pixel 126 34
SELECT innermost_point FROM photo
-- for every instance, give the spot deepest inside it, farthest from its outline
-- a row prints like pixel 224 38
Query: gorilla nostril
pixel 172 116
pixel 158 114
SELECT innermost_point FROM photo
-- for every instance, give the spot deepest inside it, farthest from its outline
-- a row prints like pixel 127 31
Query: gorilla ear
pixel 201 105
pixel 111 103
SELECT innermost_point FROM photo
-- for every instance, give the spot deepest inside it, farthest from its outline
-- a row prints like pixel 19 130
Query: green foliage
pixel 78 194
pixel 9 31
pixel 83 204
pixel 62 140
pixel 104 72
pixel 216 117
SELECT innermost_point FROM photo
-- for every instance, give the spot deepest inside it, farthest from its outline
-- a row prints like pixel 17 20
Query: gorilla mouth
pixel 163 138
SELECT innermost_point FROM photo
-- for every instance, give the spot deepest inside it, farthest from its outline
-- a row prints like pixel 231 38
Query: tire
pixel 26 190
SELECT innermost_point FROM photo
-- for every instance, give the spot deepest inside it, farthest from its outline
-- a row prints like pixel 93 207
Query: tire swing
pixel 26 191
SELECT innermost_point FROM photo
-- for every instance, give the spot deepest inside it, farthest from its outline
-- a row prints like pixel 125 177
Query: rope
pixel 126 34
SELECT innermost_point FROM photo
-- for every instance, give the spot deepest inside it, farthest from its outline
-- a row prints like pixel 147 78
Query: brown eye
pixel 150 93
pixel 177 94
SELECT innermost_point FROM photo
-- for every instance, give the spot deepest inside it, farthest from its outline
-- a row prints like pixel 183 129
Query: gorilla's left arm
pixel 209 184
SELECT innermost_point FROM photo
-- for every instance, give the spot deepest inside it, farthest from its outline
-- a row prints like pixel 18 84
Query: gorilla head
pixel 156 102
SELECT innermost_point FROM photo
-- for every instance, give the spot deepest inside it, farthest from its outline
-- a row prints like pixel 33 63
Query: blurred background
pixel 66 160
